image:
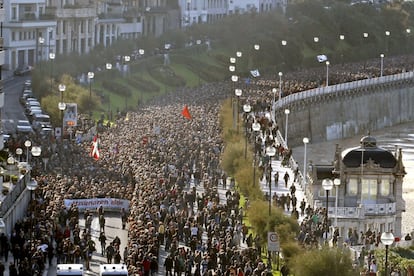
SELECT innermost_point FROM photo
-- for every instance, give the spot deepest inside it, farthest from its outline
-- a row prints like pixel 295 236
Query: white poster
pixel 70 115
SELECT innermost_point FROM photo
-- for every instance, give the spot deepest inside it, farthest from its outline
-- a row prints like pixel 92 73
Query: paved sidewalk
pixel 280 188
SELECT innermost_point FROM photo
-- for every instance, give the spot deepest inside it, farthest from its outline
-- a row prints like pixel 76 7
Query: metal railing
pixel 14 194
pixel 343 87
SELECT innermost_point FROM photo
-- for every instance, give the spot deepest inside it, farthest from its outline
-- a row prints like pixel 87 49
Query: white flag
pixel 321 58
pixel 255 73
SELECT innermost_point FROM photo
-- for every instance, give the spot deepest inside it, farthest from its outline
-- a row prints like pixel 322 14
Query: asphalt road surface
pixel 113 228
pixel 12 110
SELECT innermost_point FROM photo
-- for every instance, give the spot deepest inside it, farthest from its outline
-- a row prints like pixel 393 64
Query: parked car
pixel 23 70
pixel 27 93
pixel 46 132
pixel 33 111
pixel 40 121
pixel 24 126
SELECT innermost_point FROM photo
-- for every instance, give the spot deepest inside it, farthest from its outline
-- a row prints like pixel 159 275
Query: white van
pixel 113 269
pixel 69 270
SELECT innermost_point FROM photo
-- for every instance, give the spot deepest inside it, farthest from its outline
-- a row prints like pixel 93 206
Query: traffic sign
pixel 273 242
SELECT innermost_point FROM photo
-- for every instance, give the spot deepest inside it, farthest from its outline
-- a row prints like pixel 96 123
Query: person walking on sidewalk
pixel 276 178
pixel 102 240
pixel 286 178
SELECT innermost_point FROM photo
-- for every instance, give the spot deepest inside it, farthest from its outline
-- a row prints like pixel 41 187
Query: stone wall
pixel 343 113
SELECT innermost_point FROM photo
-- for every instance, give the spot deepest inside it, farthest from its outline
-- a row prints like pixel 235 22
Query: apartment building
pixel 28 32
pixel 208 11
pixel 2 19
pixel 35 29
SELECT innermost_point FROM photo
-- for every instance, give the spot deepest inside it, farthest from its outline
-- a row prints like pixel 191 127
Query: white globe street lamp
pixel 327 185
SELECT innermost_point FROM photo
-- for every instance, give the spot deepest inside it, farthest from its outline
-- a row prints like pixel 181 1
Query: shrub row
pixel 142 84
pixel 166 75
pixel 116 88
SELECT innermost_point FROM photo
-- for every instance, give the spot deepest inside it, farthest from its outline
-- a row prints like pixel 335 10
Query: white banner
pixel 93 203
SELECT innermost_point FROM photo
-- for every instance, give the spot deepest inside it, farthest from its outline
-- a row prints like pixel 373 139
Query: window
pixel 352 187
pixel 385 186
pixel 14 13
pixel 369 190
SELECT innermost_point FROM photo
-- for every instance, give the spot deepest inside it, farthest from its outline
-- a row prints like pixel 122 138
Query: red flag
pixel 95 148
pixel 186 112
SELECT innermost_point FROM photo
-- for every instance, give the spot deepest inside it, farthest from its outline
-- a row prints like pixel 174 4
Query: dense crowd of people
pixel 168 167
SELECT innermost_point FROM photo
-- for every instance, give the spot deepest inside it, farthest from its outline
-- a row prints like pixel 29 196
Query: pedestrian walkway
pixel 281 187
pixel 199 189
pixel 113 228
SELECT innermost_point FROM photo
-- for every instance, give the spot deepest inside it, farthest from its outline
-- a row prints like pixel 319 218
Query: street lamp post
pixel 364 37
pixel 382 64
pixel 125 65
pixel 327 72
pixel 305 178
pixel 341 38
pixel 31 186
pixel 280 86
pixel 19 153
pixel 109 67
pixel 256 128
pixel 52 58
pixel 41 42
pixel 238 92
pixel 337 183
pixel 316 40
pixel 239 55
pixel 387 238
pixel 198 42
pixel 141 52
pixel 327 185
pixel 232 69
pixel 387 34
pixel 284 43
pixel 36 151
pixel 27 144
pixel 270 152
pixel 287 112
pixel 234 79
pixel 408 32
pixel 246 108
pixel 256 47
pixel 62 105
pixel 10 162
pixel 91 75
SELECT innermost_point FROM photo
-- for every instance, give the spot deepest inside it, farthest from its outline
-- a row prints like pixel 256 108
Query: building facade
pixel 34 29
pixel 367 194
pixel 28 32
pixel 208 11
pixel 2 61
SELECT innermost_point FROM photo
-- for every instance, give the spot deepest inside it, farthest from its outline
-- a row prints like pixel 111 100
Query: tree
pixel 286 227
pixel 323 262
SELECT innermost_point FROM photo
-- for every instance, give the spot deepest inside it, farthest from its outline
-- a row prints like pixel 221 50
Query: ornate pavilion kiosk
pixel 362 189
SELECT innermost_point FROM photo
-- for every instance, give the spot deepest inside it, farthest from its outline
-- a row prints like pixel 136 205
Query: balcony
pixel 78 12
pixel 2 56
pixel 2 13
pixel 367 210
